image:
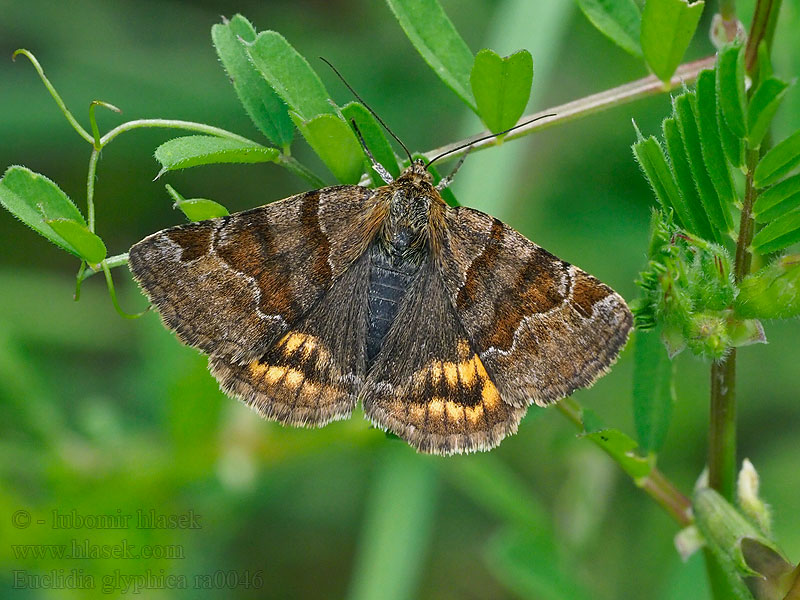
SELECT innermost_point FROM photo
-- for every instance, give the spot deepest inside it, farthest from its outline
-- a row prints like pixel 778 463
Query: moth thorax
pixel 405 231
pixel 410 208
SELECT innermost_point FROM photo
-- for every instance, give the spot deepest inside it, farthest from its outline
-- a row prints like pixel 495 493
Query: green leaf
pixel 713 154
pixel 88 245
pixel 375 139
pixel 778 162
pixel 731 143
pixel 335 143
pixel 194 150
pixel 263 105
pixel 397 524
pixel 765 70
pixel 667 28
pixel 765 101
pixel 619 20
pixel 290 75
pixel 200 209
pixel 438 42
pixel 620 446
pixel 746 332
pixel 650 156
pixel 197 209
pixel 685 115
pixel 778 200
pixel 730 88
pixel 779 234
pixel 502 87
pixel 695 220
pixel 653 393
pixel 32 198
pixel 773 292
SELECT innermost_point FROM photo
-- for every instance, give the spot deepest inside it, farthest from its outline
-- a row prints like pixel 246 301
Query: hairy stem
pixel 722 409
pixel 623 94
pixel 655 484
pixel 722 415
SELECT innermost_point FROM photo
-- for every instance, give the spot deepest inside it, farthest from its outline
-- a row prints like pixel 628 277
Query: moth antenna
pixel 379 169
pixel 486 137
pixel 374 114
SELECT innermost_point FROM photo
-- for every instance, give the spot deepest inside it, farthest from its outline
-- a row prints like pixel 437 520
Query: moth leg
pixel 446 181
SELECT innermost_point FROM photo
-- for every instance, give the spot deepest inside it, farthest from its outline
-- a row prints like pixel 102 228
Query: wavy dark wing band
pixel 541 326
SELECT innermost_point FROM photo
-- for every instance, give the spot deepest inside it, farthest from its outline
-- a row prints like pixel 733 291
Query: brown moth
pixel 445 323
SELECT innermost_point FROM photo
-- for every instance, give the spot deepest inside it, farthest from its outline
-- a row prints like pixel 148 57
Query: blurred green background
pixel 103 416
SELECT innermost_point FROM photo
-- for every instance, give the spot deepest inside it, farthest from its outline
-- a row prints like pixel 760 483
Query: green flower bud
pixel 708 336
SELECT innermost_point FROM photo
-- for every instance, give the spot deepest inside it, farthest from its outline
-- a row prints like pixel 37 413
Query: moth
pixel 445 323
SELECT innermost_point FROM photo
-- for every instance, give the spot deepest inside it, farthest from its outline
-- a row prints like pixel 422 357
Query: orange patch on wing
pixel 270 373
pixel 467 371
pixel 474 413
pixel 451 374
pixel 489 395
pixel 436 407
pixel 294 340
pixel 436 372
pixel 275 373
pixel 294 378
pixel 481 369
pixel 455 412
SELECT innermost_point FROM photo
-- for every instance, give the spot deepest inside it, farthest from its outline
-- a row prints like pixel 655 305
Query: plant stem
pixel 62 107
pixel 722 426
pixel 117 260
pixel 765 16
pixel 655 484
pixel 722 409
pixel 588 105
pixel 663 491
pixel 722 415
pixel 112 292
pixel 746 223
pixel 90 179
pixel 173 124
pixel 300 170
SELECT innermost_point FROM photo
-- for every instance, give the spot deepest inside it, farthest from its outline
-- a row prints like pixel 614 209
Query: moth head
pixel 417 175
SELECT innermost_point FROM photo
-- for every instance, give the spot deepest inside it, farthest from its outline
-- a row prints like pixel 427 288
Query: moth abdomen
pixel 390 277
